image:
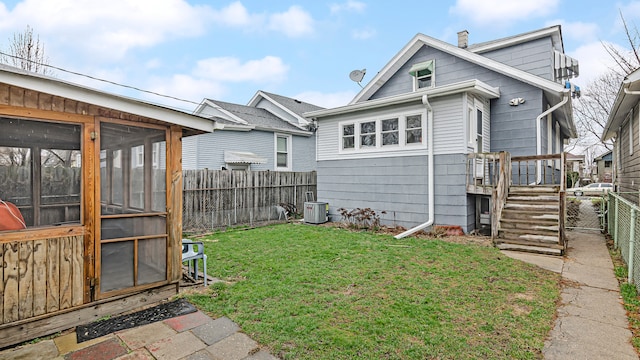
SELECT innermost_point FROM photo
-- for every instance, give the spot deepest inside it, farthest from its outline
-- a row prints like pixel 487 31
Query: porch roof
pixel 41 83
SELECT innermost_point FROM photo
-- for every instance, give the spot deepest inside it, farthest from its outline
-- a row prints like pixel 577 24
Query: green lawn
pixel 312 292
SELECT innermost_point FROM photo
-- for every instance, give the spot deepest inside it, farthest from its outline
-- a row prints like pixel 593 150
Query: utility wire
pixel 134 88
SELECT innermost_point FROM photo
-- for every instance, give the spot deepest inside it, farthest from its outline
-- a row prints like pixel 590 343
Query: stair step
pixel 534 227
pixel 517 215
pixel 530 248
pixel 533 189
pixel 537 197
pixel 541 236
pixel 531 207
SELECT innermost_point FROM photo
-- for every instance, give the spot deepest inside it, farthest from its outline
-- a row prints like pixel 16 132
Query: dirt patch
pixel 441 235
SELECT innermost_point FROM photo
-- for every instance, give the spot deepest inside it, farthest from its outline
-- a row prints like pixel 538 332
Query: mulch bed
pixel 157 313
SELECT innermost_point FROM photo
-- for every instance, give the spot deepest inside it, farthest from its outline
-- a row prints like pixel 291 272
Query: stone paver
pixel 216 330
pixel 69 342
pixel 138 337
pixel 200 355
pixel 188 321
pixel 106 350
pixel 140 354
pixel 176 346
pixel 235 347
pixel 43 350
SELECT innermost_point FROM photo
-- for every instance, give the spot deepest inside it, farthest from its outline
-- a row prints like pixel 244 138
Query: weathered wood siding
pixel 40 276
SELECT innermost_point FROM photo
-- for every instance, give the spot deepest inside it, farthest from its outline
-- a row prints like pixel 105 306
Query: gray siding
pixel 207 150
pixel 535 57
pixel 398 186
pixel 272 108
pixel 628 178
pixel 512 127
pixel 395 185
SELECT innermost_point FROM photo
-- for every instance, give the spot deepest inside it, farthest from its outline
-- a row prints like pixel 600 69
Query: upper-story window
pixel 423 74
pixel 384 133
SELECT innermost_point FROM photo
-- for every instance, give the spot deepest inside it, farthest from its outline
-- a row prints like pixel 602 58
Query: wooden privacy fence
pixel 223 198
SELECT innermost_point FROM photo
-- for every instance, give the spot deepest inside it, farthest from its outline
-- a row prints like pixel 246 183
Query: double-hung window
pixel 283 152
pixel 385 133
pixel 422 74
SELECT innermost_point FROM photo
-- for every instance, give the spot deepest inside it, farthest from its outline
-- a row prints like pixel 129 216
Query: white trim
pixel 519 39
pixel 45 84
pixel 289 139
pixel 473 86
pixel 416 68
pixel 255 100
pixel 379 148
pixel 420 40
pixel 229 115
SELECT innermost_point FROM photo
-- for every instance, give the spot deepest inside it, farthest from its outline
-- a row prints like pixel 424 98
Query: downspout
pixel 539 133
pixel 631 92
pixel 431 175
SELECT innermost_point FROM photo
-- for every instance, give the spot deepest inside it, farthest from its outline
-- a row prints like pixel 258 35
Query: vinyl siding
pixel 272 108
pixel 449 125
pixel 535 57
pixel 329 133
pixel 629 174
pixel 398 186
pixel 207 150
pixel 512 127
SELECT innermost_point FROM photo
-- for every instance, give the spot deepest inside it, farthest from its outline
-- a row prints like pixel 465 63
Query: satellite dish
pixel 357 75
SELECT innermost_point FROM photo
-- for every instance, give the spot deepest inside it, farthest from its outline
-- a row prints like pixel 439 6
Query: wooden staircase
pixel 531 221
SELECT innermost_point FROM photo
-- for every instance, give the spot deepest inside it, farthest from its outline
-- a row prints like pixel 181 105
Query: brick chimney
pixel 463 39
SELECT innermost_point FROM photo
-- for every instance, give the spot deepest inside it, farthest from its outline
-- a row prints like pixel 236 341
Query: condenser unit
pixel 315 212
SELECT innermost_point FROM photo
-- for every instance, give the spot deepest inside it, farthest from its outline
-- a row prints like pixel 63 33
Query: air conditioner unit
pixel 315 212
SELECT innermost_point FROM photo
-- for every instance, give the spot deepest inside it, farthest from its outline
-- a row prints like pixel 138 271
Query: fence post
pixel 235 205
pixel 632 240
pixel 615 224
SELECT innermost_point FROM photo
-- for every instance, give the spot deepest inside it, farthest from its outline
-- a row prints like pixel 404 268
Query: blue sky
pixel 228 50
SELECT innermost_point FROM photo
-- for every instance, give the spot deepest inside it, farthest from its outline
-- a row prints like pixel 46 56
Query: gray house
pixel 623 128
pixel 402 144
pixel 269 133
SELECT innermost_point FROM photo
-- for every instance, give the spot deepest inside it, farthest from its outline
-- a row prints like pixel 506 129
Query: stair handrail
pixel 500 192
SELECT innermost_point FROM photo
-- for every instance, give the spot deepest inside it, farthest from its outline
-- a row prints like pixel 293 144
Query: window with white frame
pixel 283 152
pixel 423 74
pixel 383 133
pixel 389 132
pixel 414 129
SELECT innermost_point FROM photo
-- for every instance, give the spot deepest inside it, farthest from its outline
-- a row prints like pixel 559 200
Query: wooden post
pixel 174 204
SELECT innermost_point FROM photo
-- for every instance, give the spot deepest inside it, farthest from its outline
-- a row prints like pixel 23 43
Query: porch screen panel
pixel 41 170
pixel 133 203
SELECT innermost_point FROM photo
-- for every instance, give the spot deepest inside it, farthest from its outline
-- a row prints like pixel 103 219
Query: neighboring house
pixel 269 133
pixel 623 128
pixel 603 167
pixel 402 144
pixel 575 167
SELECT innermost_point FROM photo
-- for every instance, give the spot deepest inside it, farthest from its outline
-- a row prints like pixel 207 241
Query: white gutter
pixel 564 100
pixel 431 176
pixel 631 92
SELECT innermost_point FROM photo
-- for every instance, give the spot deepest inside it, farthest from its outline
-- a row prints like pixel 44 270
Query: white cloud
pixel 577 31
pixel 502 12
pixel 327 100
pixel 184 87
pixel 350 5
pixel 363 34
pixel 107 29
pixel 594 61
pixel 236 14
pixel 229 69
pixel 294 22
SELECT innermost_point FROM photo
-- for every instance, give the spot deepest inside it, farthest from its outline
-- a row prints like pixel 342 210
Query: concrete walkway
pixel 591 322
pixel 194 336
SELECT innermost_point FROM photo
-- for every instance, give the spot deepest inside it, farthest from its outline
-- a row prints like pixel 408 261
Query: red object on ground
pixel 10 217
pixel 451 230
